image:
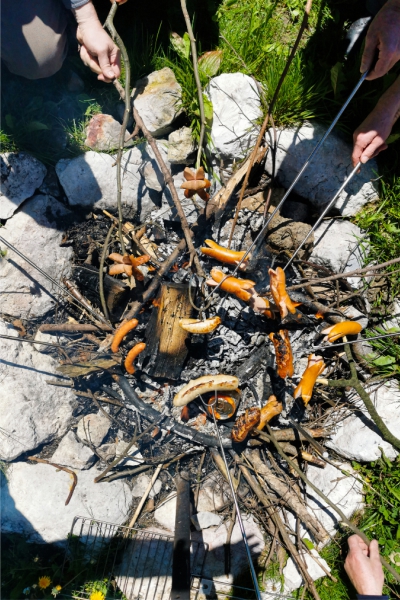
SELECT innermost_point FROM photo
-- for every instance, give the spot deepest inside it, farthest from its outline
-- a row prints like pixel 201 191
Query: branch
pixel 109 24
pixel 197 78
pixel 303 26
pixel 170 182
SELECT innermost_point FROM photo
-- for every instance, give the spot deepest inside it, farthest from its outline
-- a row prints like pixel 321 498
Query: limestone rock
pixel 134 457
pixel 165 514
pixel 158 100
pixel 32 413
pixel 337 246
pixel 50 185
pixel 215 537
pixel 141 484
pixel 168 211
pixel 71 453
pixel 293 578
pixel 204 520
pixel 394 321
pixel 357 437
pixel 326 172
pixel 286 234
pixel 236 108
pixel 90 181
pixel 181 147
pixel 93 428
pixel 21 175
pixel 102 133
pixel 211 496
pixel 34 231
pixel 33 501
pixel 149 168
pixel 344 491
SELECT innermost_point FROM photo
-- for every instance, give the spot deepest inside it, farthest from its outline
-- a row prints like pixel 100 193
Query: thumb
pixel 106 68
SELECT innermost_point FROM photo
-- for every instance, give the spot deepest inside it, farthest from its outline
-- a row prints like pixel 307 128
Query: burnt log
pixel 166 342
pixel 116 292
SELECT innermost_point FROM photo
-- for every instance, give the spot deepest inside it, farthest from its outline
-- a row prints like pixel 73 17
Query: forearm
pixel 86 14
pixel 389 102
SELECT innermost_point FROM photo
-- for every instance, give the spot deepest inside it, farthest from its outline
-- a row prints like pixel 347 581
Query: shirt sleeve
pixel 73 4
pixel 361 597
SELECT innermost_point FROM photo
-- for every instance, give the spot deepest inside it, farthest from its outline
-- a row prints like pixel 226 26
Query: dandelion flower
pixel 44 582
pixel 56 590
pixel 96 596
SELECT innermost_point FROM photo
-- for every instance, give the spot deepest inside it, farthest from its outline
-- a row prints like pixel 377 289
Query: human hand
pixel 363 566
pixel 97 50
pixel 370 137
pixel 383 36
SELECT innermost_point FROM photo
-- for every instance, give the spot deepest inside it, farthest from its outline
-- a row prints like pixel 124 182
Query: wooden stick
pixel 145 495
pixel 74 476
pixel 73 328
pixel 197 79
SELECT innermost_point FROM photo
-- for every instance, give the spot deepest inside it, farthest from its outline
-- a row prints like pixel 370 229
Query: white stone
pixel 21 175
pixel 158 100
pixel 236 109
pixel 293 578
pixel 49 338
pixel 181 147
pixel 34 231
pixel 103 132
pixel 168 211
pixel 134 457
pixel 149 168
pixel 141 483
pixel 337 246
pixel 93 428
pixel 205 519
pixel 90 181
pixel 212 496
pixel 165 514
pixel 33 501
pixel 32 413
pixel 327 171
pixel 357 437
pixel 215 537
pixel 71 453
pixel 344 491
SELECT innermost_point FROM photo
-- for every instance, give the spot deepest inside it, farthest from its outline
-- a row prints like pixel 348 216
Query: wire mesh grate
pixel 135 564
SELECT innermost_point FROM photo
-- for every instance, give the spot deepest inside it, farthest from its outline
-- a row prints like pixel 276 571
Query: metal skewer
pixel 326 210
pixel 239 516
pixel 376 337
pixel 296 179
pixel 53 281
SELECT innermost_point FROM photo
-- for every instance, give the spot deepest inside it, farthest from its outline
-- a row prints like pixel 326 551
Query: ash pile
pixel 173 334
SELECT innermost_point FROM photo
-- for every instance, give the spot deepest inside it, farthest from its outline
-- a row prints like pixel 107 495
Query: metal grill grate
pixel 136 564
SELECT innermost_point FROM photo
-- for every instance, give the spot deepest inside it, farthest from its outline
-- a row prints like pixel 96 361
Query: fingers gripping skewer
pixel 210 408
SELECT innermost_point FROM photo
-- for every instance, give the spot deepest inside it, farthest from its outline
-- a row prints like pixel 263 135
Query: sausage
pixel 202 385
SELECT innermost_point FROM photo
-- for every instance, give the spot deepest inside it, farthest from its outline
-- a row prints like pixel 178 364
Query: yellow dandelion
pixel 58 588
pixel 96 596
pixel 44 582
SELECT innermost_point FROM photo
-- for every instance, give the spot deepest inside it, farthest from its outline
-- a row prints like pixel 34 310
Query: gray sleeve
pixel 72 4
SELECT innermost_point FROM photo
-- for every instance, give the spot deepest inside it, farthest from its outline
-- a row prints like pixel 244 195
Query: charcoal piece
pixel 260 358
pixel 115 291
pixel 166 341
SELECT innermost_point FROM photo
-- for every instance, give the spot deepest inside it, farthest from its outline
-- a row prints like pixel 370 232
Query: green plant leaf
pixel 382 361
pixel 181 45
pixel 208 109
pixel 308 543
pixel 210 62
pixel 393 138
pixel 36 126
pixel 337 79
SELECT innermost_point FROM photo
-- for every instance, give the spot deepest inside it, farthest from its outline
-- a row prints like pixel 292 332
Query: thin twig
pixel 197 79
pixel 260 138
pixel 145 495
pixel 61 468
pixel 365 272
pixel 101 273
pixel 109 24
